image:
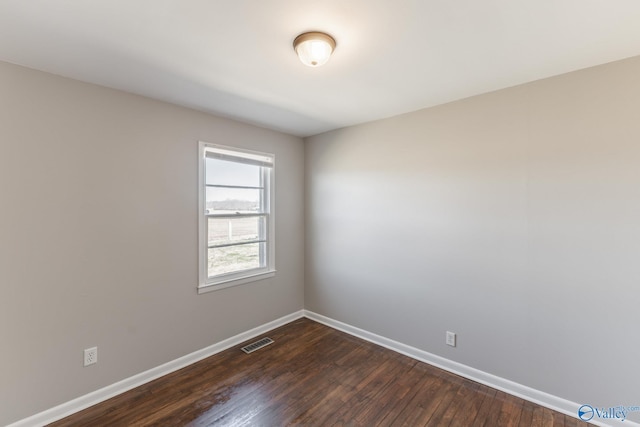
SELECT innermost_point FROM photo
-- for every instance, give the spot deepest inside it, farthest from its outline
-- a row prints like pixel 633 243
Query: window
pixel 236 216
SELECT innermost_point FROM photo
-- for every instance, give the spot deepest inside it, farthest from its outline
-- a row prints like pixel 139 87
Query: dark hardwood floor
pixel 315 376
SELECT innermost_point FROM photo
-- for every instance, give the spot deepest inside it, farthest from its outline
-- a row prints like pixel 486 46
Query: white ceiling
pixel 235 58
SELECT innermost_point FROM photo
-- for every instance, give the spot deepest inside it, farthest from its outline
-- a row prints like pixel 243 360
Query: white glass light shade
pixel 314 49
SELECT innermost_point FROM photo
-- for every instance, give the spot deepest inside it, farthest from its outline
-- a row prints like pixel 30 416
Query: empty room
pixel 319 213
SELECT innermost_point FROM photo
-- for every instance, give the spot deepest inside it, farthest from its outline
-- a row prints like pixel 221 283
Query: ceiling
pixel 234 58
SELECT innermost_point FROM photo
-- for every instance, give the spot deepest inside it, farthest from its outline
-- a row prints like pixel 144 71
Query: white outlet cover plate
pixel 451 339
pixel 90 356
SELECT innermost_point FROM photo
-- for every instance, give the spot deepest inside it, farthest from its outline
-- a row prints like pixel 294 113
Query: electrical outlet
pixel 451 339
pixel 90 356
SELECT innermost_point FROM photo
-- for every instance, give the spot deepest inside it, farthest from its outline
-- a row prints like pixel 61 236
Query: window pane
pixel 223 231
pixel 234 258
pixel 221 172
pixel 232 200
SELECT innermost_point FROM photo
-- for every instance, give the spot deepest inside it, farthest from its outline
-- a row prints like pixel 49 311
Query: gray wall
pixel 98 237
pixel 511 218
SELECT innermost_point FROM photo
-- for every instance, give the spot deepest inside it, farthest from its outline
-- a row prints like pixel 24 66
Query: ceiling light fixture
pixel 314 48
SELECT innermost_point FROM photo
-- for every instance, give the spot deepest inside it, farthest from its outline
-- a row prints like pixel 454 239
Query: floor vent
pixel 257 345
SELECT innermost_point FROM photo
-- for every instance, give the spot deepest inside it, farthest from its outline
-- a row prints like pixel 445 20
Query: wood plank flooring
pixel 315 376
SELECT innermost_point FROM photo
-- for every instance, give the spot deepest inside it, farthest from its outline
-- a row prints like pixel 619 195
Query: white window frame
pixel 206 283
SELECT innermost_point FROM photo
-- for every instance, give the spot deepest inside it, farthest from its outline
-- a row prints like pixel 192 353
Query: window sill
pixel 203 289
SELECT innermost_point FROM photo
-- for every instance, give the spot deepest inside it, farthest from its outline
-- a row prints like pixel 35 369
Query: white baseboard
pixel 58 412
pixel 527 393
pixel 536 396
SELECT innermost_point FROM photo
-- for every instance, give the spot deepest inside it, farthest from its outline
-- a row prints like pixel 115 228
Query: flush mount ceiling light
pixel 314 48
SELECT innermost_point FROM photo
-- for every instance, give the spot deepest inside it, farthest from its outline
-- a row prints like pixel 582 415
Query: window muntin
pixel 236 216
